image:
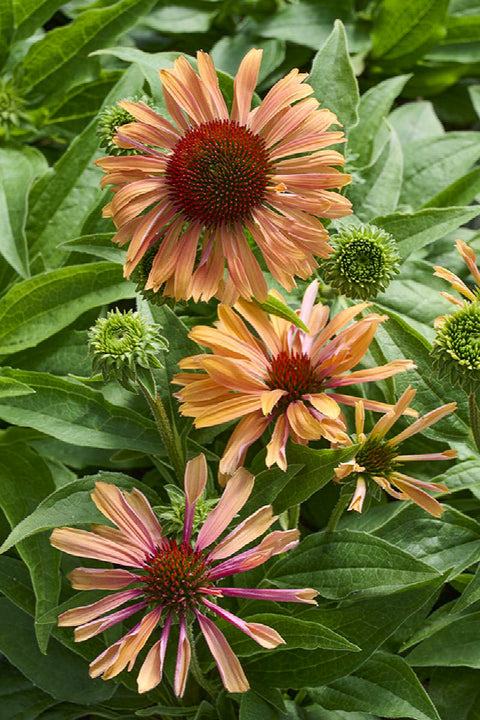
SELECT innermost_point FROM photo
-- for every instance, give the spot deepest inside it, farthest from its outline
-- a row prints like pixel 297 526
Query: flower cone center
pixel 377 457
pixel 294 374
pixel 173 576
pixel 362 261
pixel 218 172
pixel 462 337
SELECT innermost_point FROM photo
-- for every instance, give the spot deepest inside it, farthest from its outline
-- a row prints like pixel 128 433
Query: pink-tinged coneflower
pixel 172 582
pixel 379 461
pixel 468 256
pixel 212 180
pixel 280 375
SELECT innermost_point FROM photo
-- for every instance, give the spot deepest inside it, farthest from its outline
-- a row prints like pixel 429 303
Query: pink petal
pixel 183 659
pixel 227 662
pixel 195 481
pixel 100 578
pixel 264 635
pixel 305 595
pixel 85 613
pixel 248 530
pixel 95 627
pixel 85 544
pixel 111 502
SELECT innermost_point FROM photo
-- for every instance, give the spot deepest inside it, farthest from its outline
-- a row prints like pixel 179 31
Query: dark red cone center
pixel 293 373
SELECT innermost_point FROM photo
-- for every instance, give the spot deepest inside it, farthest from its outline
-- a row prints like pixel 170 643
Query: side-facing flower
pixel 279 375
pixel 457 284
pixel 363 262
pixel 170 581
pixel 211 181
pixel 378 460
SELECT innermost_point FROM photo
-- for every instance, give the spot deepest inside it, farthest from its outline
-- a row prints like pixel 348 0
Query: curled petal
pixel 227 662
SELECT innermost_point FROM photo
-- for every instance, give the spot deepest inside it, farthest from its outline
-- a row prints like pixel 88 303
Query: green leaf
pixel 349 563
pixel 397 339
pixel 6 29
pixel 18 169
pixel 228 53
pixel 456 693
pixel 374 107
pixel 63 354
pixel 50 64
pixel 378 186
pixel 319 469
pixel 269 484
pixel 179 19
pixel 10 388
pixel 296 632
pixel 24 481
pixel 31 14
pixel 77 414
pixel 385 685
pixel 274 306
pixel 252 707
pixel 72 504
pixel 333 79
pixel 415 121
pixel 453 645
pixel 19 699
pixel 474 92
pixel 55 213
pixel 32 311
pixel 434 163
pixel 461 192
pixel 61 674
pixel 99 245
pixel 471 594
pixel 413 231
pixel 402 29
pixel 367 623
pixel 15 583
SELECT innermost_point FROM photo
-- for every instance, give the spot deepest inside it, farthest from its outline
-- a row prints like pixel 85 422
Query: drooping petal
pixel 264 635
pixel 358 498
pixel 228 664
pixel 150 674
pixel 304 595
pixel 85 613
pixel 183 659
pixel 95 627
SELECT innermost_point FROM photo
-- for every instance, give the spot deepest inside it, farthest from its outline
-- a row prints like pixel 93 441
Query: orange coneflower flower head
pixel 457 284
pixel 270 372
pixel 378 460
pixel 211 181
pixel 173 580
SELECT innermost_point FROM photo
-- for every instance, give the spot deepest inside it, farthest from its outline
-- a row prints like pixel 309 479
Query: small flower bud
pixel 363 262
pixel 109 120
pixel 12 112
pixel 140 277
pixel 456 348
pixel 173 515
pixel 125 347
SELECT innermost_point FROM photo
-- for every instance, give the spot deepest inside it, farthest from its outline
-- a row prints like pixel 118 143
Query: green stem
pixel 293 517
pixel 337 512
pixel 168 432
pixel 474 412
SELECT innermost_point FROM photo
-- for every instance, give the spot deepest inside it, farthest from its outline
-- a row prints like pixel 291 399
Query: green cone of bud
pixel 456 348
pixel 140 276
pixel 109 120
pixel 12 113
pixel 363 262
pixel 173 515
pixel 125 347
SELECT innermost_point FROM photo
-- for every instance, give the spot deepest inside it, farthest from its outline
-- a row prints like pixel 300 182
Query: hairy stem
pixel 474 412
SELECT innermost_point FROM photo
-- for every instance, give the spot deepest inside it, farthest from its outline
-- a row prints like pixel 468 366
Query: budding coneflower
pixel 363 262
pixel 211 182
pixel 273 373
pixel 379 460
pixel 173 582
pixel 109 119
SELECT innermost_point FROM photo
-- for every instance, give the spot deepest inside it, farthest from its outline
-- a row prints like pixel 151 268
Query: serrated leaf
pixel 385 685
pixel 413 231
pixel 71 505
pixel 349 563
pixel 333 79
pixel 50 63
pixel 44 304
pixel 76 414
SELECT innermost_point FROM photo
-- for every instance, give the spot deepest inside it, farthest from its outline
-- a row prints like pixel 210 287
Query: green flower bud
pixel 140 276
pixel 456 348
pixel 173 515
pixel 125 347
pixel 109 120
pixel 12 113
pixel 363 262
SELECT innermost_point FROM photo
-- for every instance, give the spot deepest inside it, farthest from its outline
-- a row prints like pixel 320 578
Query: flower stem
pixel 474 412
pixel 337 512
pixel 293 517
pixel 167 431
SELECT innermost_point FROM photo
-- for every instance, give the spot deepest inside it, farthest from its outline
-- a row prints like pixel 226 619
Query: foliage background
pixel 400 586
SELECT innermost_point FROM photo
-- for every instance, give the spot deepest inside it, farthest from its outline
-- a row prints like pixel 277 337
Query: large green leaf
pixel 415 121
pixel 31 14
pixel 413 231
pixel 385 685
pixel 349 563
pixel 10 388
pixel 19 698
pixel 379 184
pixel 76 414
pixel 333 79
pixel 460 192
pixel 61 202
pixel 456 693
pixel 452 645
pixel 403 28
pixel 72 504
pixel 61 674
pixel 367 623
pixel 51 63
pixel 229 51
pixel 433 164
pixel 18 169
pixel 25 481
pixel 6 29
pixel 44 304
pixel 471 594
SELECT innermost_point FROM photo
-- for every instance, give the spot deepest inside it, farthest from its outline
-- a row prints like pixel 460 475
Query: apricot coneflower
pixel 282 375
pixel 379 461
pixel 172 581
pixel 457 284
pixel 211 180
